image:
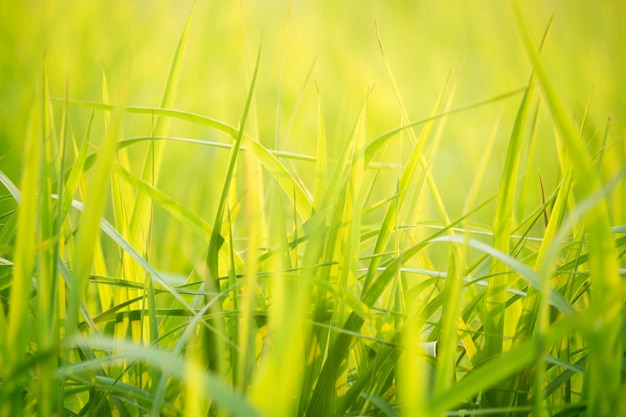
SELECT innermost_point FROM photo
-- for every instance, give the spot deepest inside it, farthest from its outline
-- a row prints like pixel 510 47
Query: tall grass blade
pixel 603 376
pixel 18 327
pixel 495 299
pixel 48 335
pixel 321 164
pixel 89 231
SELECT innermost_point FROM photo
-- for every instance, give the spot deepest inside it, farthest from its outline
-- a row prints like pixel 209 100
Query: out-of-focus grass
pixel 424 42
pixel 294 234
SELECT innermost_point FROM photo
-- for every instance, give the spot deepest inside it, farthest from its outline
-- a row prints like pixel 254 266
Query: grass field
pixel 312 208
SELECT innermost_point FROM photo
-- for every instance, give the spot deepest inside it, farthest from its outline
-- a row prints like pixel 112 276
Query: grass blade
pixel 18 326
pixel 603 372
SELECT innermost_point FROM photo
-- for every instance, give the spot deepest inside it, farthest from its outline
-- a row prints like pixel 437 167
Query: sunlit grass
pixel 315 221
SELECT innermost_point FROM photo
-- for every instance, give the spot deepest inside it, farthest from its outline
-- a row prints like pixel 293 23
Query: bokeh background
pixel 473 44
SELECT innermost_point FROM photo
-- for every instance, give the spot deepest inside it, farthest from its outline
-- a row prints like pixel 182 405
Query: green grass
pixel 289 209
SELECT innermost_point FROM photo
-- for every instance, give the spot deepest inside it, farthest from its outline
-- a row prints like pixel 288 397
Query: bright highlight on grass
pixel 278 233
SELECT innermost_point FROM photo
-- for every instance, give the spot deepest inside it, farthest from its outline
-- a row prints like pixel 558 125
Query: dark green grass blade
pixel 110 231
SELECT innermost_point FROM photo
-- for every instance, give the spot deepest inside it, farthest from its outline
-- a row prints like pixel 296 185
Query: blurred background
pixel 473 44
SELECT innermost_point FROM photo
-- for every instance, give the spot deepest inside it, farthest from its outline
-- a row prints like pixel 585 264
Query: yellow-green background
pixel 475 43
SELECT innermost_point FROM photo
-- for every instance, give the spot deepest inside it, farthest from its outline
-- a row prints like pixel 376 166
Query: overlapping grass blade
pixel 178 211
pixel 110 231
pixel 495 301
pixel 345 246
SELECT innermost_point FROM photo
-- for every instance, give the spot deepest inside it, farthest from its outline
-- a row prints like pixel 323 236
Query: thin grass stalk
pixel 321 160
pixel 412 370
pixel 405 179
pixel 448 337
pixel 529 156
pixel 153 158
pixel 542 308
pixel 247 329
pixel 233 324
pixel 46 384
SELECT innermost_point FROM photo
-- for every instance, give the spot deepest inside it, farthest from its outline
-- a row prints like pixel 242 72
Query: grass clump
pixel 343 261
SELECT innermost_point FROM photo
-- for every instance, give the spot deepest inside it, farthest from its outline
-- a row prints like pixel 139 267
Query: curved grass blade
pixel 178 211
pixel 381 404
pixel 380 141
pixel 212 387
pixel 555 299
pixel 502 366
pixel 110 231
pixel 279 172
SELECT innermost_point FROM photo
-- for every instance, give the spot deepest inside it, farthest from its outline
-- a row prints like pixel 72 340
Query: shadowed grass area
pixel 328 209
